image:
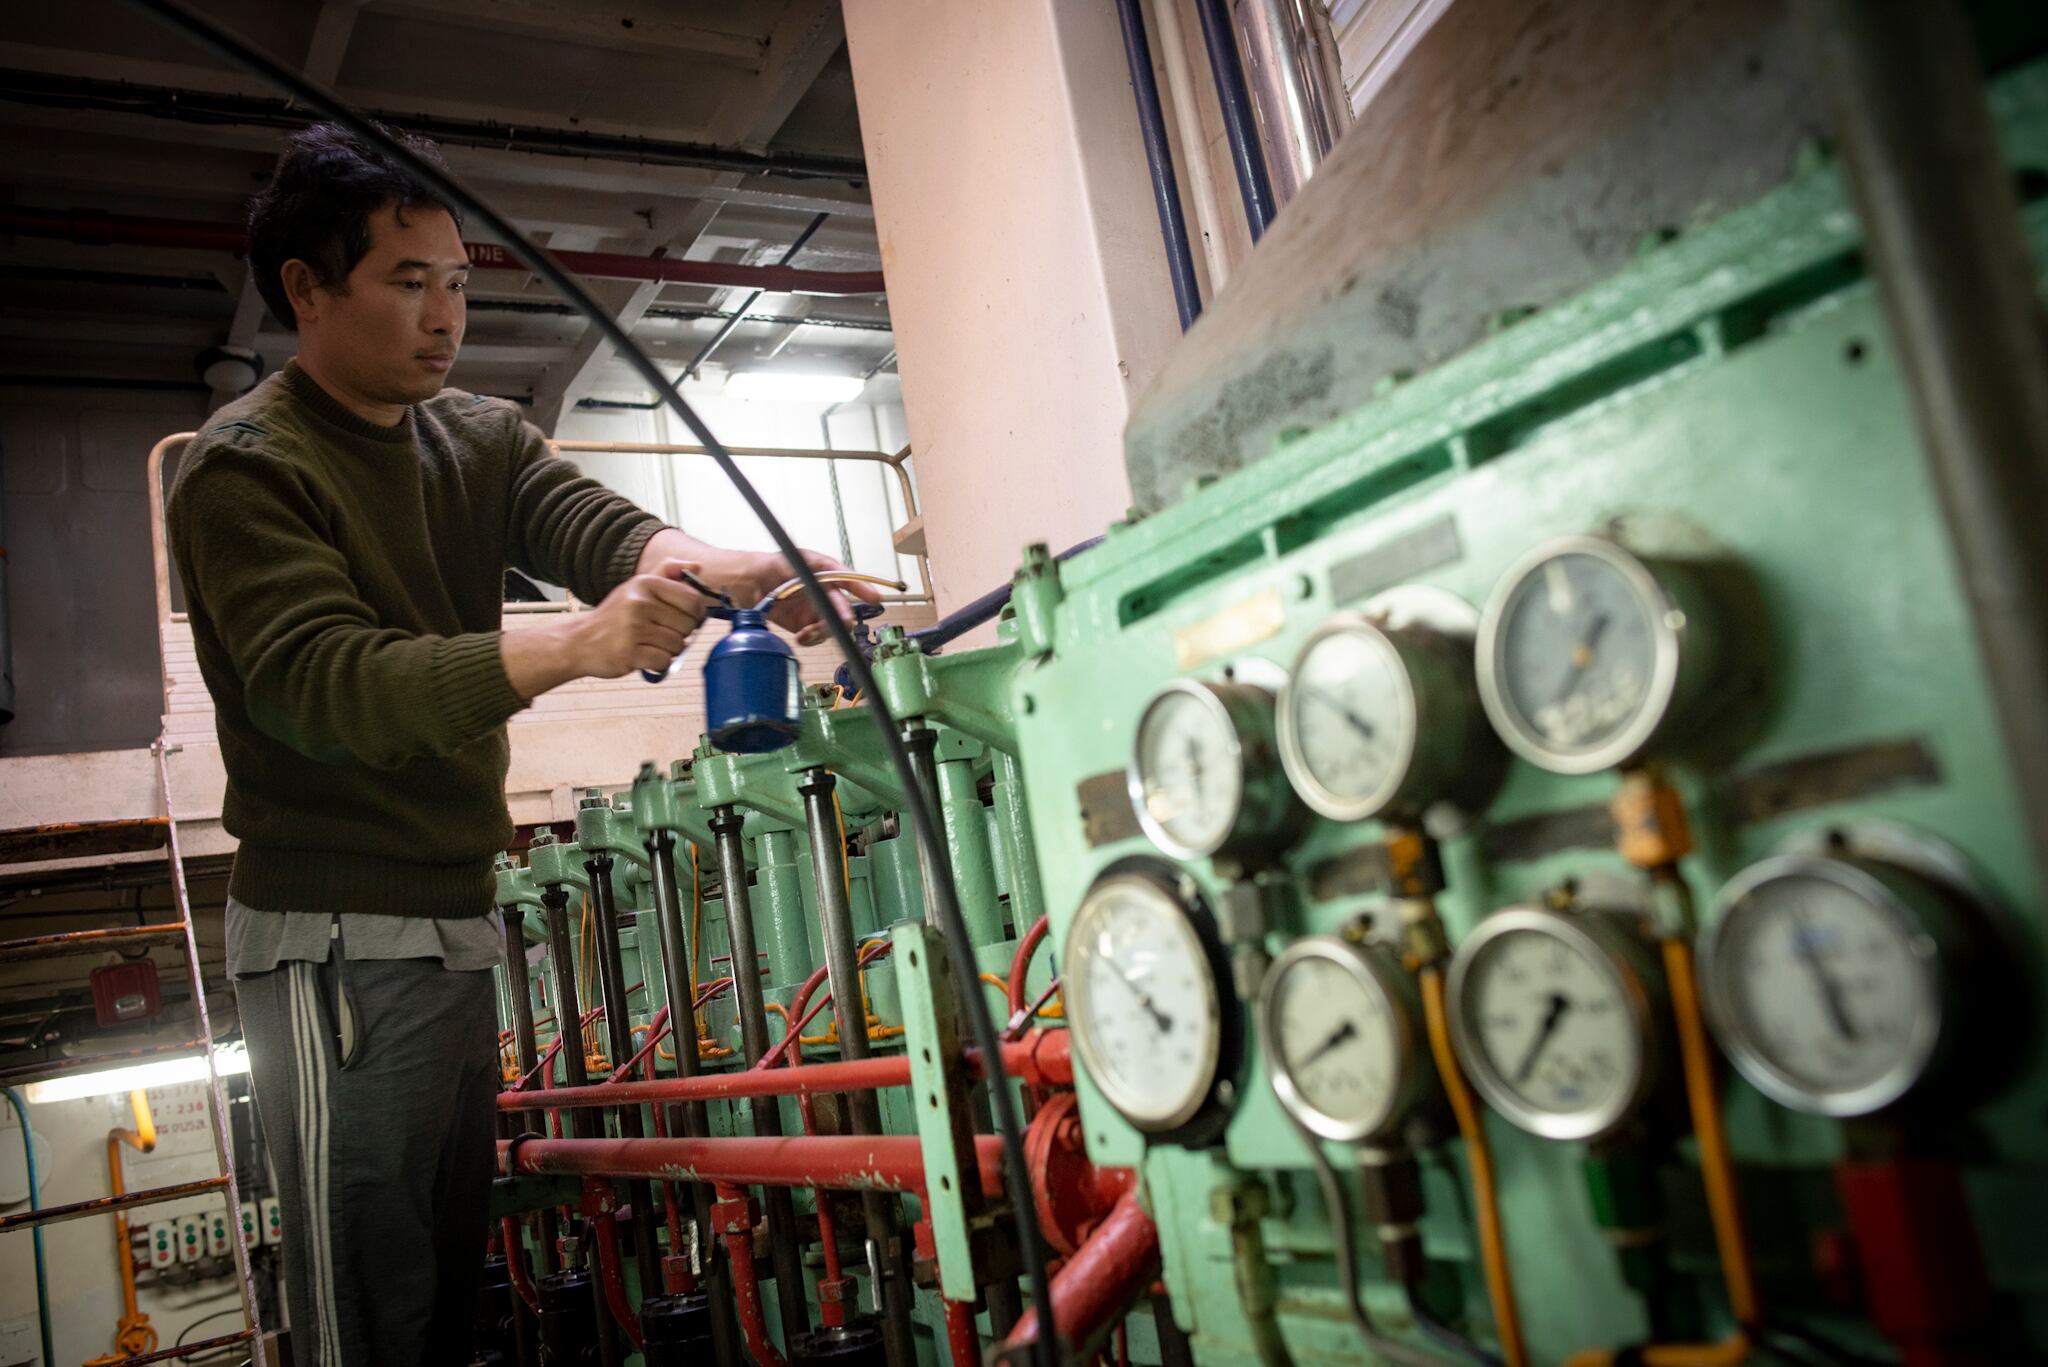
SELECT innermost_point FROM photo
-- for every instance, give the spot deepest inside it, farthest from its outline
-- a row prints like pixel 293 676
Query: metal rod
pixel 677 953
pixel 216 1095
pixel 1240 126
pixel 1943 235
pixel 102 1205
pixel 87 941
pixel 885 1164
pixel 569 1033
pixel 618 1024
pixel 726 826
pixel 842 976
pixel 922 742
pixel 189 1350
pixel 519 1004
pixel 1173 227
pixel 732 324
pixel 1041 1059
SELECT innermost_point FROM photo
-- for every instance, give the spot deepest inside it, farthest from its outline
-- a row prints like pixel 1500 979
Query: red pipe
pixel 102 229
pixel 1041 1058
pixel 746 1286
pixel 1020 965
pixel 799 1017
pixel 961 1335
pixel 1096 1285
pixel 614 1277
pixel 837 1162
pixel 515 1264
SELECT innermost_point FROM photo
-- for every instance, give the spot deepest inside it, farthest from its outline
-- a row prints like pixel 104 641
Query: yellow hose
pixel 1717 1170
pixel 1500 1286
pixel 133 1334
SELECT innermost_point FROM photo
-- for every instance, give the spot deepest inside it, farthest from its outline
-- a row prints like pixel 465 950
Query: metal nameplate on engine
pixel 1243 623
pixel 1428 547
pixel 1105 803
pixel 1359 870
pixel 1832 776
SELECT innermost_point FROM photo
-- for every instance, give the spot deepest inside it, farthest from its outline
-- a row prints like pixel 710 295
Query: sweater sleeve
pixel 565 527
pixel 317 671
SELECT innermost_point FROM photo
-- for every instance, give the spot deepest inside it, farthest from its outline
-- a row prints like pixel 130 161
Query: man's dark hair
pixel 317 208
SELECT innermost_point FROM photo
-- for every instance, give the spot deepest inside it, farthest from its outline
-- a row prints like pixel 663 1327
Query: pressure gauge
pixel 1825 980
pixel 1554 1018
pixel 1586 654
pixel 1203 776
pixel 1141 974
pixel 1377 719
pixel 1338 1021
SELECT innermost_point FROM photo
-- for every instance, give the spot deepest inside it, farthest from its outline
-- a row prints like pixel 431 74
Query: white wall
pixel 85 1289
pixel 1028 289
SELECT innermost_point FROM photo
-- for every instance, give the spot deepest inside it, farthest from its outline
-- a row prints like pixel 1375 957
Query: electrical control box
pixel 220 1234
pixel 252 1233
pixel 163 1244
pixel 271 1220
pixel 191 1232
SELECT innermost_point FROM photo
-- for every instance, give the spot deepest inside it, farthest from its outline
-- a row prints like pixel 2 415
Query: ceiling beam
pixel 576 21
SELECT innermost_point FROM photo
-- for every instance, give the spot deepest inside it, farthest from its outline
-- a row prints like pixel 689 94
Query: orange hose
pixel 1500 1286
pixel 133 1334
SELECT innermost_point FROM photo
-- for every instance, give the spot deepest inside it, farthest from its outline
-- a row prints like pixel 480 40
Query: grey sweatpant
pixel 376 1080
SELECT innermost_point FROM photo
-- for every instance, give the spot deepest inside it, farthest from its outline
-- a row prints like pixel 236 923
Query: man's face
pixel 391 333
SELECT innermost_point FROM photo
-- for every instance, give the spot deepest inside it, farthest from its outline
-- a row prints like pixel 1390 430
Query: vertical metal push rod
pixel 520 1004
pixel 1240 124
pixel 778 1202
pixel 569 1029
pixel 922 743
pixel 842 975
pixel 1942 231
pixel 1173 227
pixel 618 1031
pixel 677 953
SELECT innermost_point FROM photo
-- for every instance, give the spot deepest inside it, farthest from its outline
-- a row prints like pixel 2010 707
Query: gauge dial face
pixel 1338 1043
pixel 1347 722
pixel 1579 656
pixel 1550 1030
pixel 1143 1001
pixel 1824 986
pixel 1187 772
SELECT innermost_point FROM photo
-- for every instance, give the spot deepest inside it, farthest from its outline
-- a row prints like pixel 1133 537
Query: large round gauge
pixel 1203 777
pixel 1338 1021
pixel 1141 974
pixel 1823 981
pixel 1554 1019
pixel 1585 654
pixel 1376 720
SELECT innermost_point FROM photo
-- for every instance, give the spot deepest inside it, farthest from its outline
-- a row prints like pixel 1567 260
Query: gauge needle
pixel 1159 1018
pixel 1358 723
pixel 1348 1030
pixel 1195 765
pixel 1559 1004
pixel 1830 990
pixel 1582 655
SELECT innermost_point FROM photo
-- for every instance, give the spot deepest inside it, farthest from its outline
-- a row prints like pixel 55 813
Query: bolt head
pixel 544 836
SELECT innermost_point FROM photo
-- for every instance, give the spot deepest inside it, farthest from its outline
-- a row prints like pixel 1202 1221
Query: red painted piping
pixel 836 1163
pixel 1097 1285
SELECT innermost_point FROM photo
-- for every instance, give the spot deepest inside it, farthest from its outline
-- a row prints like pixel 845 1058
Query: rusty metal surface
pixel 87 941
pixel 101 1205
pixel 1520 153
pixel 81 839
pixel 887 1163
pixel 186 1350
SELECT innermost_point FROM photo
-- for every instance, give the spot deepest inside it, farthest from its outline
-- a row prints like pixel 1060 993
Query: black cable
pixel 923 823
pixel 205 1319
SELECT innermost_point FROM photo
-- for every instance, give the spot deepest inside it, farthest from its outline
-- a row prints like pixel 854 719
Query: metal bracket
pixel 939 1089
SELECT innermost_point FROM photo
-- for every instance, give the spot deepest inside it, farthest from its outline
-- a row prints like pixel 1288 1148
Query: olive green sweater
pixel 345 582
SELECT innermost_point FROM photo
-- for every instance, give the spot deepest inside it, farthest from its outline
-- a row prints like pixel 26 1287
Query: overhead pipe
pixel 51 90
pixel 94 228
pixel 732 324
pixel 1240 124
pixel 1180 261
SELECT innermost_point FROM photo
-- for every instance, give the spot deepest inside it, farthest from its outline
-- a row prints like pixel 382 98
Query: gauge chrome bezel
pixel 1294 760
pixel 1751 1056
pixel 1669 625
pixel 1627 962
pixel 1264 815
pixel 1182 904
pixel 1375 972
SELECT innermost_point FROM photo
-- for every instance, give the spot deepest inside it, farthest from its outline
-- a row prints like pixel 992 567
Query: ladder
pixel 199 1042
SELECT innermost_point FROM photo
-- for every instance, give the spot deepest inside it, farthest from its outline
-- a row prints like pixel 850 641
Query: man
pixel 342 533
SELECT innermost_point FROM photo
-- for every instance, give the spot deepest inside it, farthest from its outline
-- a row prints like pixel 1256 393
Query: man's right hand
pixel 642 624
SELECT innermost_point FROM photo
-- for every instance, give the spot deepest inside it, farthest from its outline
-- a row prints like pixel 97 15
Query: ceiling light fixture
pixel 794 386
pixel 228 1059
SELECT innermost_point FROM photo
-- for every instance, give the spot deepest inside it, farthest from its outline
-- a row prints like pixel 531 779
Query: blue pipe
pixel 28 1148
pixel 1180 261
pixel 1240 125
